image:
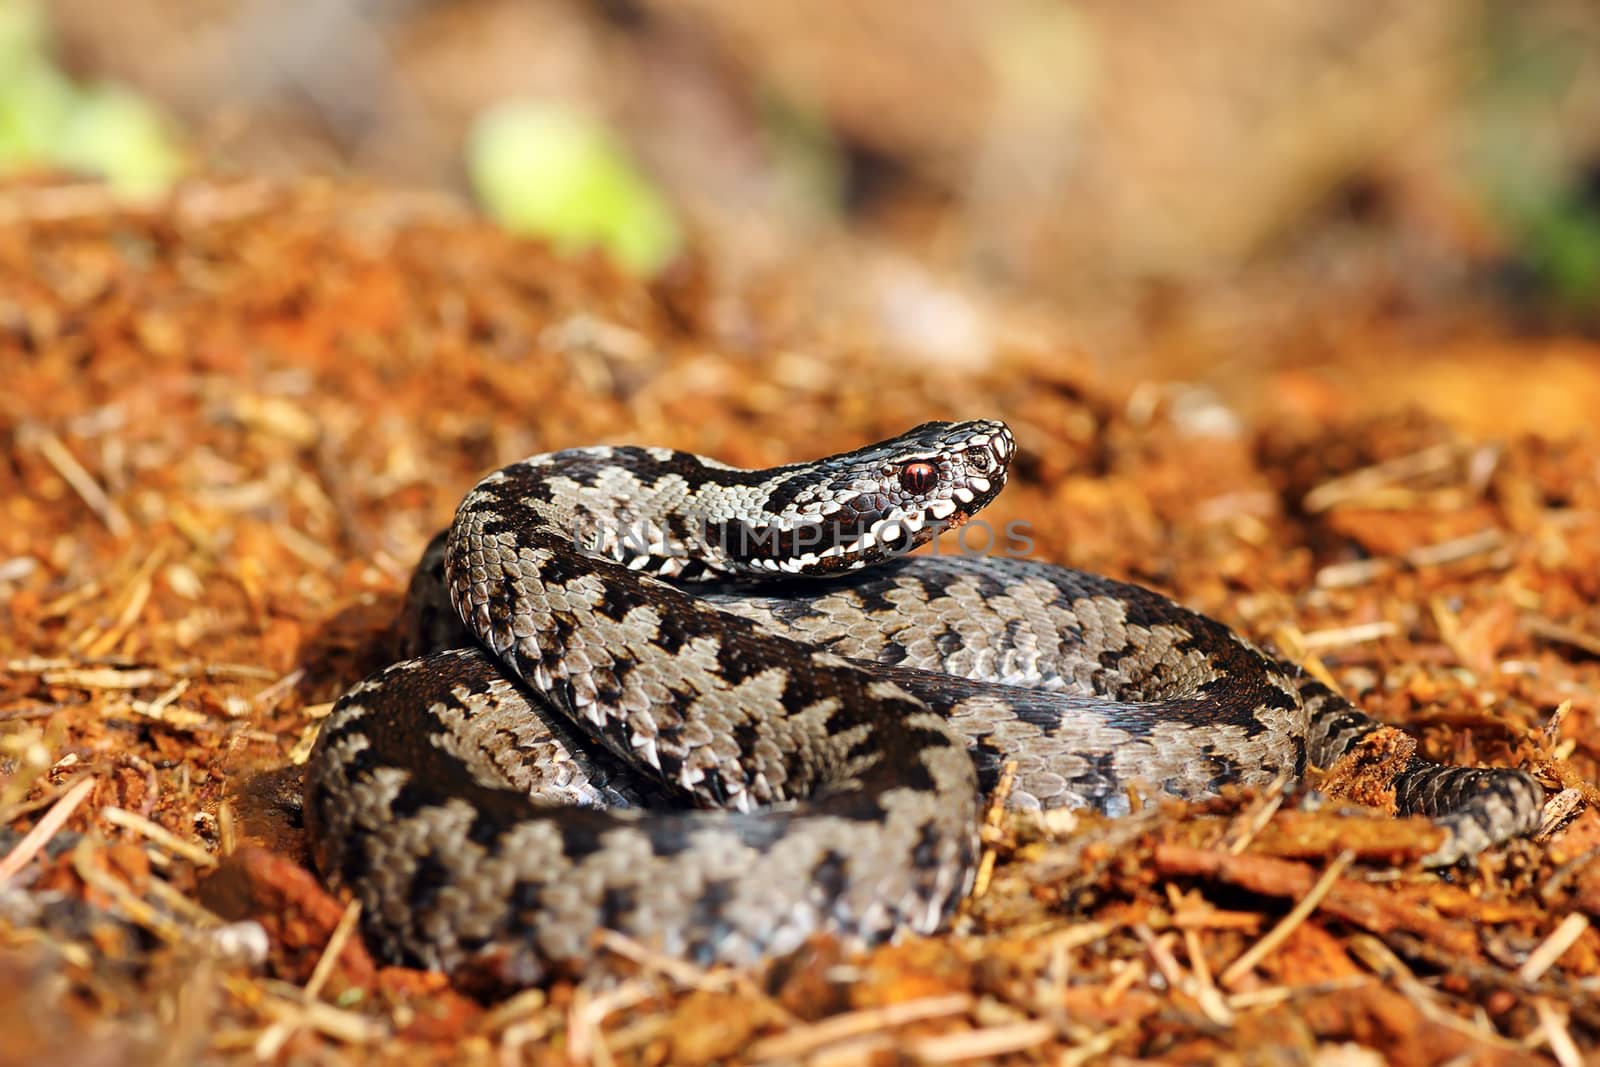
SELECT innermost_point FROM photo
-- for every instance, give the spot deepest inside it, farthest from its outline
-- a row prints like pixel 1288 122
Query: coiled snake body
pixel 486 803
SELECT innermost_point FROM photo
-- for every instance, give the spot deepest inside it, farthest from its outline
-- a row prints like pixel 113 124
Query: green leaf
pixel 546 171
pixel 35 100
pixel 119 135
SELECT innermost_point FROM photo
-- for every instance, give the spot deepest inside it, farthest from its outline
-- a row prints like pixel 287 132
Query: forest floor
pixel 232 422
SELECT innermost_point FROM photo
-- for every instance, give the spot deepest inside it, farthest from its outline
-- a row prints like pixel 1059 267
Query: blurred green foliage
pixel 1529 163
pixel 544 170
pixel 807 158
pixel 1561 246
pixel 47 120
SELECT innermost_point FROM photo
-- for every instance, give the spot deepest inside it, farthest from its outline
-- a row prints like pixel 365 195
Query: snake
pixel 720 710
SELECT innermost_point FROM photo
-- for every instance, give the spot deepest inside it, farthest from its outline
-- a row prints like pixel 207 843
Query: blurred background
pixel 1214 187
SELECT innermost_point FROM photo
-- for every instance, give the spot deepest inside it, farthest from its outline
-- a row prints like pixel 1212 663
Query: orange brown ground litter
pixel 232 422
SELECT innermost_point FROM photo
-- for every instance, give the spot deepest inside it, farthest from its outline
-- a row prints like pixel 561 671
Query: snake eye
pixel 979 460
pixel 918 477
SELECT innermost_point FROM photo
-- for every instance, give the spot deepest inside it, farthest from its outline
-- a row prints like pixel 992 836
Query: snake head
pixel 856 508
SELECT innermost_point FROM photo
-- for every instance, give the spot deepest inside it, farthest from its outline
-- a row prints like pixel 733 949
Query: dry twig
pixel 44 830
pixel 1297 915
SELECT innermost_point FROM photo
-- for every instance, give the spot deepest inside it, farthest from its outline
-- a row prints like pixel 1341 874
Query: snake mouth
pixel 868 538
pixel 855 509
pixel 828 548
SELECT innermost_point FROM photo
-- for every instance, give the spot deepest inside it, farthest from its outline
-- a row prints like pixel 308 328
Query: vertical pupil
pixel 917 477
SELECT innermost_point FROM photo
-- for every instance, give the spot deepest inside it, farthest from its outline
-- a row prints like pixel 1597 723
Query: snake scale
pixel 720 710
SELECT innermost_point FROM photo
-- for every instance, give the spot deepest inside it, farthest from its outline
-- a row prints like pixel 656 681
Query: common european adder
pixel 651 634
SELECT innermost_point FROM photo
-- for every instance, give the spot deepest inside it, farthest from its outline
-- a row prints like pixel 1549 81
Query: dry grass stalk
pixel 290 1015
pixel 1133 972
pixel 991 825
pixel 104 677
pixel 1206 992
pixel 135 907
pixel 81 481
pixel 1429 1002
pixel 1205 995
pixel 1551 630
pixel 518 1036
pixel 282 687
pixel 520 1020
pixel 1348 574
pixel 1344 636
pixel 1278 994
pixel 183 905
pixel 1553 1028
pixel 1351 573
pixel 1456 549
pixel 981 1044
pixel 518 1008
pixel 160 835
pixel 1563 937
pixel 680 972
pixel 1255 818
pixel 1374 486
pixel 585 1041
pixel 1078 935
pixel 60 670
pixel 1097 1046
pixel 332 951
pixel 1297 915
pixel 95 645
pixel 44 830
pixel 27 753
pixel 804 1040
